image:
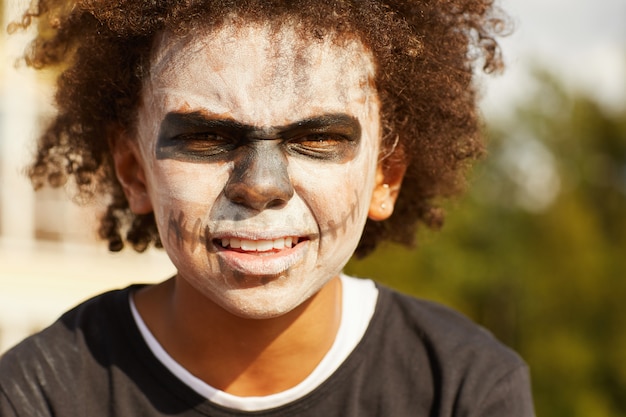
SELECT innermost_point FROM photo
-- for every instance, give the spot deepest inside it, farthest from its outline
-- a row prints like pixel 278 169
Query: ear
pixel 130 173
pixel 386 190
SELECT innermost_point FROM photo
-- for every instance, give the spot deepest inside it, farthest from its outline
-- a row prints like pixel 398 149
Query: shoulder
pixel 59 355
pixel 442 330
pixel 466 366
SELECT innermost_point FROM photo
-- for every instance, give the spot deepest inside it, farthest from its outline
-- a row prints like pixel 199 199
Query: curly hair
pixel 425 52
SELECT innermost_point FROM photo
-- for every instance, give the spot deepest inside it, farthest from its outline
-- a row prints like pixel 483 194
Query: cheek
pixel 338 195
pixel 180 186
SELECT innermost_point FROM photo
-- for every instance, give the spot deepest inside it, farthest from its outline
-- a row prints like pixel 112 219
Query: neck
pixel 245 357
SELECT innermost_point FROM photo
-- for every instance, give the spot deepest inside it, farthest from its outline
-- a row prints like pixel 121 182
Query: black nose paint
pixel 260 178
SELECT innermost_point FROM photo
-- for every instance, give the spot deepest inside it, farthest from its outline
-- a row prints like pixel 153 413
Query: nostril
pixel 276 204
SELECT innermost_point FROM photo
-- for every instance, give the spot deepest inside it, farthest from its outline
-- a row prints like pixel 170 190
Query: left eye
pixel 319 140
pixel 319 145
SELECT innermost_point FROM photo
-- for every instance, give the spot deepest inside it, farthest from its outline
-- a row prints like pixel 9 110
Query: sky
pixel 581 41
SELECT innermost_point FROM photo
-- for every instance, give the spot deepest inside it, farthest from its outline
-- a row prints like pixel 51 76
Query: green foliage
pixel 536 251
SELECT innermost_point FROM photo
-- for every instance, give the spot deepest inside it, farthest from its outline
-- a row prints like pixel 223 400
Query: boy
pixel 253 141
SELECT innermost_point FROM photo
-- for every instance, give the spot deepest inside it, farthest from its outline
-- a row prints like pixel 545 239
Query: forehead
pixel 261 73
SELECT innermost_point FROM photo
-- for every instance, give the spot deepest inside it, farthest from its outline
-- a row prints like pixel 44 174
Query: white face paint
pixel 259 151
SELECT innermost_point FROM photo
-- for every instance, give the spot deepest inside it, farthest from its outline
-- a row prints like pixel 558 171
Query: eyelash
pixel 208 144
pixel 319 145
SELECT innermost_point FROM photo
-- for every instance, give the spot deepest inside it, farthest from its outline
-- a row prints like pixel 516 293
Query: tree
pixel 536 251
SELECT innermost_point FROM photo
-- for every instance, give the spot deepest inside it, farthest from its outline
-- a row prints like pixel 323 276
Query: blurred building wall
pixel 49 257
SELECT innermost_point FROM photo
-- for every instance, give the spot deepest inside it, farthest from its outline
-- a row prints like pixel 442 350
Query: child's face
pixel 258 153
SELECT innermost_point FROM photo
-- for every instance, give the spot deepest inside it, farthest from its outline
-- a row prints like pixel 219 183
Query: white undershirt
pixel 358 303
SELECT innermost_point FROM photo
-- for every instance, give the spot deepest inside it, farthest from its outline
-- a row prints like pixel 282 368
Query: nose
pixel 260 179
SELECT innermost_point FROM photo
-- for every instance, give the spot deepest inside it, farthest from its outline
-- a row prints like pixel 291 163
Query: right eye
pixel 203 144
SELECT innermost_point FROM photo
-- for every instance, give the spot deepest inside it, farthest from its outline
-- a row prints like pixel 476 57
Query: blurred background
pixel 535 251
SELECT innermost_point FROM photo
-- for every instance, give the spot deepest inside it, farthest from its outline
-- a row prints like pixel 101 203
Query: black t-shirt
pixel 416 358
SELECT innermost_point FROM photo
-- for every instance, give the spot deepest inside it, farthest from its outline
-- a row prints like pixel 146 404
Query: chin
pixel 262 304
pixel 257 311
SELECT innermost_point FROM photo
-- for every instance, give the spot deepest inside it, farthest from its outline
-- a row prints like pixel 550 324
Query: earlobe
pixel 386 190
pixel 130 174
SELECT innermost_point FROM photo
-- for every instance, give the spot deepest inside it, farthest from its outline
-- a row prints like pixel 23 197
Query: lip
pixel 260 235
pixel 262 263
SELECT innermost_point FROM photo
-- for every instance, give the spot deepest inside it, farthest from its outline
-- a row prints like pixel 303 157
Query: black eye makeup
pixel 332 137
pixel 193 137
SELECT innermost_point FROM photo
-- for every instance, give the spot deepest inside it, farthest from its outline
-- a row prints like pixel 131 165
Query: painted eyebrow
pixel 176 123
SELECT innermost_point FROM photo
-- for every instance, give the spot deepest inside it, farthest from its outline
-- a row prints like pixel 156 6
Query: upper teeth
pixel 259 245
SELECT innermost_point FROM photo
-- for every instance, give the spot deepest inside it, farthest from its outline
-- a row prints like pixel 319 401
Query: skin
pixel 257 151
